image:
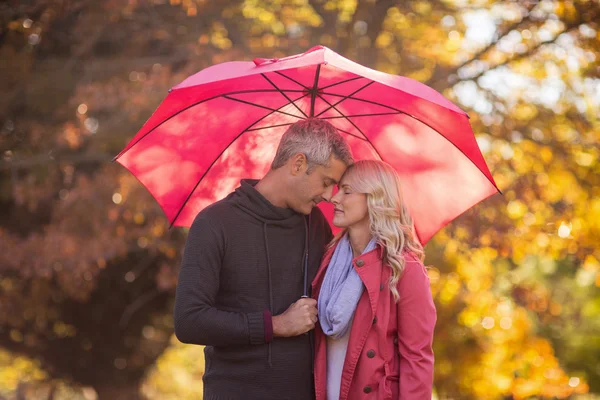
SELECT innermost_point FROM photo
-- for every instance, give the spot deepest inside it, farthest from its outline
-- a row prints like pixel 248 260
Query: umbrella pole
pixel 313 92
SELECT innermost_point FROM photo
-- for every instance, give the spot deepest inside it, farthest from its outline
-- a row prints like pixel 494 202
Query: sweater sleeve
pixel 197 320
pixel 416 324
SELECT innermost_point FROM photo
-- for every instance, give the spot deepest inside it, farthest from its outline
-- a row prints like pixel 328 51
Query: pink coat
pixel 389 351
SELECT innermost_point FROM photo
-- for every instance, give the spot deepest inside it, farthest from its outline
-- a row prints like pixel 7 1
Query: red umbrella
pixel 223 124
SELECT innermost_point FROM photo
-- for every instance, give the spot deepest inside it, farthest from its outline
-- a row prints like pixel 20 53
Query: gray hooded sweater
pixel 243 261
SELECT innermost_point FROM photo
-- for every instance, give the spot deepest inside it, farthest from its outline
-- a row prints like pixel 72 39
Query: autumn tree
pixel 88 263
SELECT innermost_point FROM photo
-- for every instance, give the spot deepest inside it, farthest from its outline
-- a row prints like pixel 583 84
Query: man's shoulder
pixel 215 213
pixel 221 206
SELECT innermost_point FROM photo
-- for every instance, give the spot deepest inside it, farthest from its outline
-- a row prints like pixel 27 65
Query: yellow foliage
pixel 177 373
pixel 17 369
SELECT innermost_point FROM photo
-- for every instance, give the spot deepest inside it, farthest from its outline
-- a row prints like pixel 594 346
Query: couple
pixel 367 330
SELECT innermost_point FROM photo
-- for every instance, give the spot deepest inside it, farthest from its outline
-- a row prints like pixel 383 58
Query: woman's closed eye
pixel 345 189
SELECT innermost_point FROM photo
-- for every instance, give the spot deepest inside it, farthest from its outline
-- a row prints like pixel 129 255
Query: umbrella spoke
pixel 269 127
pixel 366 140
pixel 352 134
pixel 272 112
pixel 285 95
pixel 293 80
pixel 364 100
pixel 264 107
pixel 344 116
pixel 341 82
pixel 362 115
pixel 345 97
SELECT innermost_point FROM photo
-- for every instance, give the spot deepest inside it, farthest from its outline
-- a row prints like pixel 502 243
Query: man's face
pixel 310 189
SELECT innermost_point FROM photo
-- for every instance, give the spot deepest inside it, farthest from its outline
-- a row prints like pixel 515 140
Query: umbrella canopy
pixel 224 123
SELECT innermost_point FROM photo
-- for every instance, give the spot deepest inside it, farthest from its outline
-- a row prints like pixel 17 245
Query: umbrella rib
pixel 217 158
pixel 345 97
pixel 273 126
pixel 362 115
pixel 313 94
pixel 421 121
pixel 342 82
pixel 268 127
pixel 365 101
pixel 365 138
pixel 377 104
pixel 292 79
pixel 356 136
pixel 344 116
pixel 284 95
pixel 264 107
pixel 194 105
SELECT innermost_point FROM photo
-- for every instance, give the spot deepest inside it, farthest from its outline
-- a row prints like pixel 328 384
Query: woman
pixel 376 313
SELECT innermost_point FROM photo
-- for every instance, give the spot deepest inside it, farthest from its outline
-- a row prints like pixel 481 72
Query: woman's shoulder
pixel 413 266
pixel 411 257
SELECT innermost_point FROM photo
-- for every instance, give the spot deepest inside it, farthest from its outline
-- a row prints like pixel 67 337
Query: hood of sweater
pixel 253 203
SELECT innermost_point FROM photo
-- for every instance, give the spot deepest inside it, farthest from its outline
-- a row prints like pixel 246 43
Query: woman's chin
pixel 339 224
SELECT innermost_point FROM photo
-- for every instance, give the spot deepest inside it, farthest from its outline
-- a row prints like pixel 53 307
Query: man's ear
pixel 298 164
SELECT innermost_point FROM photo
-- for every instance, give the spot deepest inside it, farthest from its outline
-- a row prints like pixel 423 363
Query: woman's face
pixel 350 207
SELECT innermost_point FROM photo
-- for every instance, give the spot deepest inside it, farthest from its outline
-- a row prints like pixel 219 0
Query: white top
pixel 336 355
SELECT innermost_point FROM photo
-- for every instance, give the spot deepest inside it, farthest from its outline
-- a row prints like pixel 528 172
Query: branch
pixel 437 76
pixel 584 15
pixel 518 57
pixel 374 16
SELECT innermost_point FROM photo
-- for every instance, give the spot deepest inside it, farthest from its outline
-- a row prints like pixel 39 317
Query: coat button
pixel 395 340
pixel 381 287
pixel 374 320
pixel 367 389
pixel 360 263
pixel 371 353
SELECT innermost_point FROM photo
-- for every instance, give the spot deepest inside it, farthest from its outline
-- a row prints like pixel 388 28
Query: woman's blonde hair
pixel 390 222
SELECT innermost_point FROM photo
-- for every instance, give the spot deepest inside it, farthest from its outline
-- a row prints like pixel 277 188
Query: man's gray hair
pixel 317 139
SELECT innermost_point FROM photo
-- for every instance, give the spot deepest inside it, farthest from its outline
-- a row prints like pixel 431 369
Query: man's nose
pixel 328 195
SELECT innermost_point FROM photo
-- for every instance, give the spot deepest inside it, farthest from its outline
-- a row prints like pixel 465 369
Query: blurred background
pixel 88 266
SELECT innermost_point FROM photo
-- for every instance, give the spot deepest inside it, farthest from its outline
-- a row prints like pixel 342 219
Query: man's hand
pixel 299 318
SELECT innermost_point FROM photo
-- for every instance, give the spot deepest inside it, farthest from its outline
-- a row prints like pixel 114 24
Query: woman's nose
pixel 334 199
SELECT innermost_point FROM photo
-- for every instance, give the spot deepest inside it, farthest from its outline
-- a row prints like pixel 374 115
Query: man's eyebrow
pixel 332 180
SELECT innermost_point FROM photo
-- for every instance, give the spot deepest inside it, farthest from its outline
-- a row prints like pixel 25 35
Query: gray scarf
pixel 341 290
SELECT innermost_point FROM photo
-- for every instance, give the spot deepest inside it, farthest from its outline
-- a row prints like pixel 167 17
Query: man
pixel 243 272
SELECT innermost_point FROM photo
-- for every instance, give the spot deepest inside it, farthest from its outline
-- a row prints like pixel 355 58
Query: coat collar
pixel 369 268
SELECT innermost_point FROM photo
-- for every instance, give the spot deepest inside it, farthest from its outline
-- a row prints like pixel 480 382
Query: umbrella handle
pixel 262 61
